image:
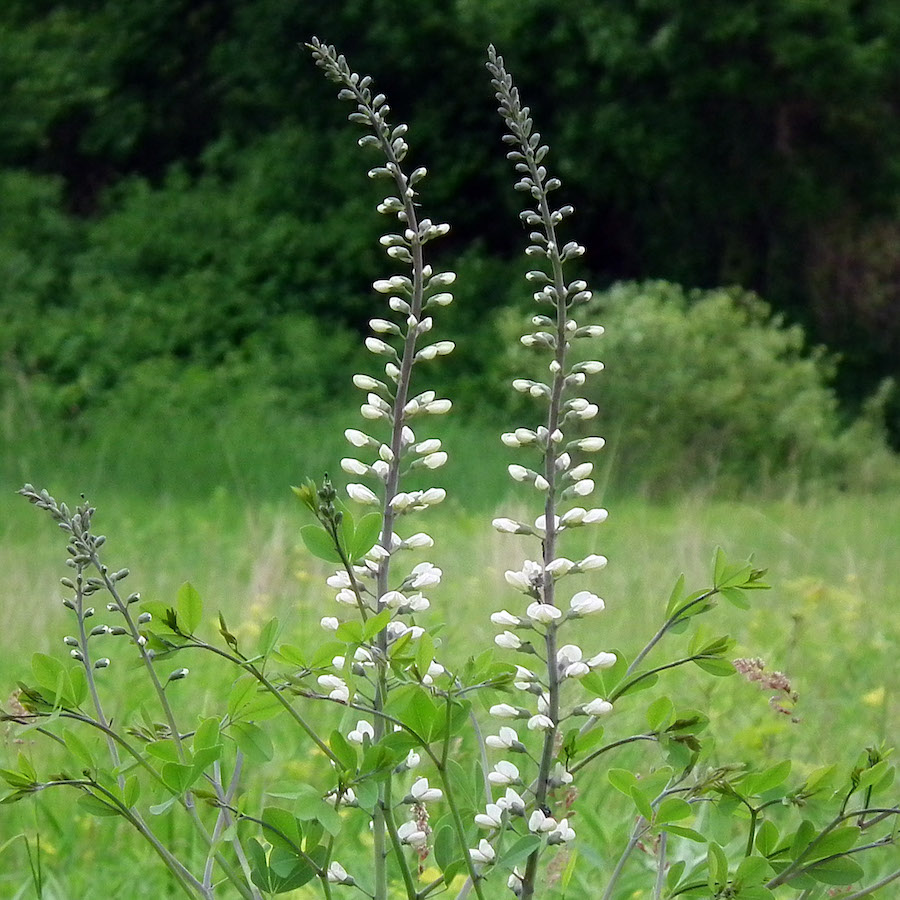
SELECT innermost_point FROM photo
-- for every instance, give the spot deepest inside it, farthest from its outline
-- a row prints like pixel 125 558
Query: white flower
pixel 412 759
pixel 418 541
pixel 483 853
pixel 362 729
pixel 560 566
pixel 559 776
pixel 508 641
pixel 330 623
pixel 543 613
pixel 602 661
pixel 513 802
pixel 576 670
pixel 541 483
pixel 504 711
pixel 432 445
pixel 509 439
pixel 543 704
pixel 409 833
pixel 598 707
pixel 515 882
pixel 584 487
pixel 525 579
pixel 582 471
pixel 591 444
pixel 584 603
pixel 506 526
pixel 507 738
pixel 567 654
pixel 540 524
pixel 433 495
pixel 337 874
pixel 492 817
pixel 339 690
pixel 591 367
pixel 518 473
pixel 504 773
pixel 392 599
pixel 574 516
pixel 358 438
pixel 367 382
pixel 562 834
pixel 338 580
pixel 361 494
pixel 434 460
pixel 378 346
pixel 346 596
pixel 595 516
pixel 425 574
pixel 438 407
pixel 540 723
pixel 540 823
pixel 593 561
pixel 505 619
pixel 422 793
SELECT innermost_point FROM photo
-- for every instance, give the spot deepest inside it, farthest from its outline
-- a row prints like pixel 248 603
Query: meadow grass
pixel 830 623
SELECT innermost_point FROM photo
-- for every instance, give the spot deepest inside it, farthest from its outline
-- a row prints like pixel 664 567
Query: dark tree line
pixel 751 142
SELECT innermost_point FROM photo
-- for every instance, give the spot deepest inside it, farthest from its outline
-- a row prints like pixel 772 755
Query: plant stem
pixel 868 891
pixel 661 871
pixel 636 834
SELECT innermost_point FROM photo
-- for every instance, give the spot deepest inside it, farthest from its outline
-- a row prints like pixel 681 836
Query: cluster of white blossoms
pixel 564 481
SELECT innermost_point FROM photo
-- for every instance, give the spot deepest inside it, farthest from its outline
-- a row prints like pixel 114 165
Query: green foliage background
pixel 187 230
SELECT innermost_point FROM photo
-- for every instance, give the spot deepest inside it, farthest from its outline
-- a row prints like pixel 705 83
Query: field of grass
pixel 830 623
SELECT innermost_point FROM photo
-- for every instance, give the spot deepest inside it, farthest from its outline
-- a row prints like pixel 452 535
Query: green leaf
pixel 351 632
pixel 675 597
pixel 735 596
pixel 97 807
pixel 840 871
pixel 684 832
pixel 446 849
pixel 622 780
pixel 367 530
pixel 721 668
pixel 325 653
pixel 376 624
pixel 253 742
pixel 672 809
pixel 189 606
pixel 835 842
pixel 164 750
pixel 207 734
pixel 267 637
pixel 519 851
pixel 767 838
pixel 132 791
pixel 177 777
pixel 16 779
pixel 47 671
pixel 343 751
pixel 718 866
pixel 291 655
pixel 424 654
pixel 284 829
pixel 720 563
pixel 660 714
pixel 76 746
pixel 642 802
pixel 768 780
pixel 320 543
pixel 753 870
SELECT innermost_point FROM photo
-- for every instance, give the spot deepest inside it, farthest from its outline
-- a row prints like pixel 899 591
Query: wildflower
pixel 410 833
pixel 597 707
pixel 562 833
pixel 361 494
pixel 560 566
pixel 506 526
pixel 422 793
pixel 515 882
pixel 540 723
pixel 483 853
pixel 412 759
pixel 508 641
pixel 330 623
pixel 339 690
pixel 363 729
pixel 542 613
pixel 337 874
pixel 492 817
pixel 504 773
pixel 593 561
pixel 507 739
pixel 540 823
pixel 603 660
pixel 425 574
pixel 505 618
pixel 513 802
pixel 584 603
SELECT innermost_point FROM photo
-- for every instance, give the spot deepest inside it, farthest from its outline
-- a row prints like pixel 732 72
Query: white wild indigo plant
pixel 406 797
